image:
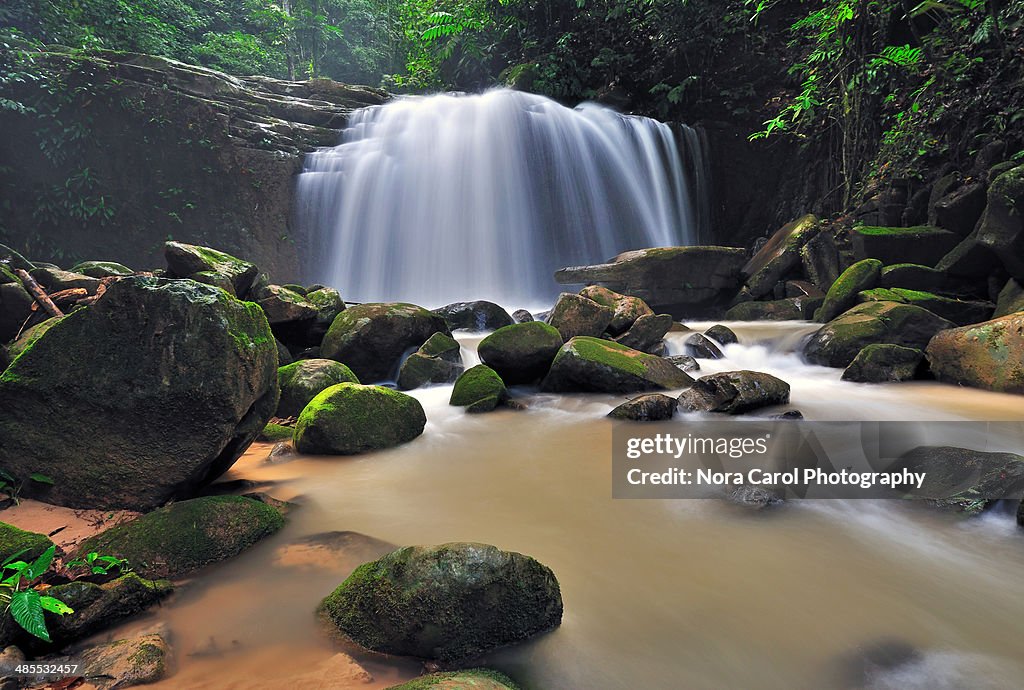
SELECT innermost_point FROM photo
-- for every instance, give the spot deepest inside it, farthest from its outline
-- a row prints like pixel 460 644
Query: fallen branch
pixel 38 293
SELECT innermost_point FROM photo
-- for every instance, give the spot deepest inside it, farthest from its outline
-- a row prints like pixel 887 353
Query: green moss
pixel 276 432
pixel 461 680
pixel 842 295
pixel 350 418
pixel 101 269
pixel 301 381
pixel 477 384
pixel 439 344
pixel 608 353
pixel 876 231
pixel 14 540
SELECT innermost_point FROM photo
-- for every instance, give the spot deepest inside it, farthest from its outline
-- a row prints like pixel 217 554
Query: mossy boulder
pixel 479 389
pixel 285 306
pixel 1011 299
pixel 913 277
pixel 14 541
pixel 601 366
pixel 55 280
pixel 627 309
pixel 439 360
pixel 574 315
pixel 30 335
pixel 883 363
pixel 276 432
pixel 15 309
pixel 328 304
pixel 349 418
pixel 651 407
pixel 962 479
pixel 1001 228
pixel 789 309
pixel 470 679
pixel 987 355
pixel 521 353
pixel 123 663
pixel 647 333
pixel 861 276
pixel 480 315
pixel 180 538
pixel 156 389
pixel 820 260
pixel 301 381
pixel 960 312
pixel 184 260
pixel 734 392
pixel 779 255
pixel 923 244
pixel 102 269
pixel 837 343
pixel 372 338
pixel 447 603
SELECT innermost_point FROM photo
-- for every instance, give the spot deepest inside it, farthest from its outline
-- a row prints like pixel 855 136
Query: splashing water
pixel 456 197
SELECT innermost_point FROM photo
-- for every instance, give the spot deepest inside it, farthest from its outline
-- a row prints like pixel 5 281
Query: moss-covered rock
pixel 837 343
pixel 1001 228
pixel 276 432
pixel 439 360
pixel 882 363
pixel 962 479
pixel 448 602
pixel 122 663
pixel 284 306
pixel 594 365
pixel 923 244
pixel 15 309
pixel 574 315
pixel 734 392
pixel 820 260
pixel 647 333
pixel 349 418
pixel 627 309
pixel 14 541
pixel 470 679
pixel 651 407
pixel 55 280
pixel 987 355
pixel 157 388
pixel 913 277
pixel 372 338
pixel 301 381
pixel 779 256
pixel 30 335
pixel 184 260
pixel 480 315
pixel 861 276
pixel 1011 299
pixel 789 309
pixel 329 304
pixel 521 353
pixel 101 269
pixel 960 312
pixel 479 389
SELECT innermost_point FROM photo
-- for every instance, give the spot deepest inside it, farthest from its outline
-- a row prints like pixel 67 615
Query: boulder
pixel 472 679
pixel 923 244
pixel 328 304
pixel 521 353
pixel 652 407
pixel 1001 228
pixel 969 259
pixel 790 309
pixel 722 335
pixel 522 316
pixel 153 391
pixel 594 365
pixel 960 209
pixel 574 315
pixel 960 312
pixel 861 276
pixel 820 260
pixel 372 338
pixel 1010 300
pixel 673 280
pixel 479 389
pixel 700 346
pixel 987 355
pixel 180 538
pixel 474 316
pixel 837 343
pixel 123 663
pixel 881 363
pixel 802 288
pixel 184 260
pixel 734 392
pixel 55 280
pixel 647 332
pixel 14 541
pixel 627 309
pixel 30 335
pixel 447 603
pixel 102 269
pixel 284 306
pixel 912 277
pixel 302 381
pixel 15 309
pixel 779 256
pixel 684 362
pixel 349 418
pixel 962 479
pixel 439 360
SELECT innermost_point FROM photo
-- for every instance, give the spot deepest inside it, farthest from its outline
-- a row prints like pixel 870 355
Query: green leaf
pixel 27 611
pixel 55 605
pixel 41 564
pixel 41 478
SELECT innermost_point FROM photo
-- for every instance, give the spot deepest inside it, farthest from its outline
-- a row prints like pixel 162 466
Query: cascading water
pixel 458 197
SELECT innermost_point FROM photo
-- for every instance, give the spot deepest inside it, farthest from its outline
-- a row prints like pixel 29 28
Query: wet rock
pixel 647 333
pixel 1011 299
pixel 722 335
pixel 912 277
pixel 301 381
pixel 627 309
pixel 880 363
pixel 102 269
pixel 988 355
pixel 573 315
pixel 372 338
pixel 284 306
pixel 155 370
pixel 521 353
pixel 820 260
pixel 802 288
pixel 861 276
pixel 734 392
pixel 348 418
pixel 282 451
pixel 284 355
pixel 14 259
pixel 701 347
pixel 960 312
pixel 790 309
pixel 969 259
pixel 439 360
pixel 15 310
pixel 837 343
pixel 474 316
pixel 779 256
pixel 522 316
pixel 14 541
pixel 788 415
pixel 653 407
pixel 180 538
pixel 477 679
pixel 754 497
pixel 123 663
pixel 684 362
pixel 861 668
pixel 960 210
pixel 328 304
pixel 184 260
pixel 479 389
pixel 962 479
pixel 594 365
pixel 923 244
pixel 425 602
pixel 55 280
pixel 1001 228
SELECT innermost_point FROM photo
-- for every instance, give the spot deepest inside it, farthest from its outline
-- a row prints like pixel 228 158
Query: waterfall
pixel 436 199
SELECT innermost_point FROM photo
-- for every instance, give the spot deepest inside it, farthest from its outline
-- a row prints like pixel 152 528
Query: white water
pixel 449 197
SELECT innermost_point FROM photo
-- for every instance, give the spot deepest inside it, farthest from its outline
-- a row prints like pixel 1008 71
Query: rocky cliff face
pixel 116 153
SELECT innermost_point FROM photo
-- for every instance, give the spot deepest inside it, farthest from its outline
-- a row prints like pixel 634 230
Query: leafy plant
pixel 26 602
pixel 101 565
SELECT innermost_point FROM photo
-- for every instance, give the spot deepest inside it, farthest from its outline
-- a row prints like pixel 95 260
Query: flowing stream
pixel 658 594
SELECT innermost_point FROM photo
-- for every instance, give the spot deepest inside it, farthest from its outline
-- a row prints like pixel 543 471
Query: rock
pixel 14 259
pixel 962 479
pixel 521 353
pixel 14 541
pixel 180 538
pixel 573 315
pixel 701 347
pixel 861 276
pixel 55 280
pixel 284 355
pixel 475 316
pixel 647 333
pixel 779 256
pixel 522 316
pixel 448 602
pixel 479 389
pixel 881 363
pixel 754 497
pixel 820 260
pixel 160 387
pixel 839 341
pixel 790 309
pixel 124 663
pixel 923 244
pixel 30 335
pixel 734 392
pixel 183 260
pixel 864 667
pixel 674 280
pixel 1001 228
pixel 283 306
pixel 1011 299
pixel 960 210
pixel 969 259
pixel 788 415
pixel 372 338
pixel 802 288
pixel 988 355
pixel 627 309
pixel 348 418
pixel 722 335
pixel 439 360
pixel 594 365
pixel 960 312
pixel 15 309
pixel 302 381
pixel 328 304
pixel 684 362
pixel 653 407
pixel 472 679
pixel 102 269
pixel 912 277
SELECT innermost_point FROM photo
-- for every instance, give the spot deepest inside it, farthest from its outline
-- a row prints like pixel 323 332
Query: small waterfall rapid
pixel 450 197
